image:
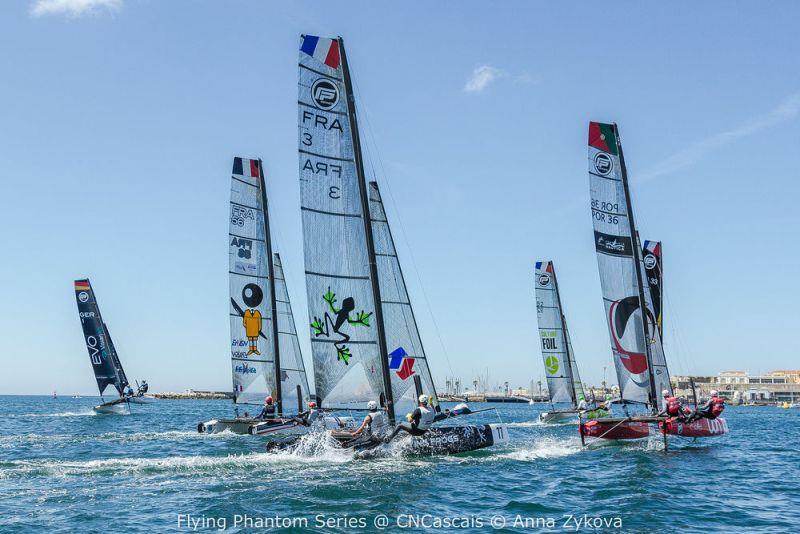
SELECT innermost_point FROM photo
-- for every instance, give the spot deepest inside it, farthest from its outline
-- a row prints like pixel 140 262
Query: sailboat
pixel 102 354
pixel 265 352
pixel 364 337
pixel 630 276
pixel 563 381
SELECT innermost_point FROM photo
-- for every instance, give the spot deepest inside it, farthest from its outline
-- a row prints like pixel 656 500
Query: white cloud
pixel 481 77
pixel 787 110
pixel 72 8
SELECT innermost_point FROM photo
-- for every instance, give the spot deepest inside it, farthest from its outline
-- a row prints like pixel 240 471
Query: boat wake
pixel 87 413
pixel 542 449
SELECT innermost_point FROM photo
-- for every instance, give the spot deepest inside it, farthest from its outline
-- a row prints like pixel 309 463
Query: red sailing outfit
pixel 717 406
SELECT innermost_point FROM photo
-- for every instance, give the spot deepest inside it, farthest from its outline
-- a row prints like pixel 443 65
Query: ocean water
pixel 64 469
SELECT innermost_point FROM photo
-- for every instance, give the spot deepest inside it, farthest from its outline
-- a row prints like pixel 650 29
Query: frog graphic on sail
pixel 323 327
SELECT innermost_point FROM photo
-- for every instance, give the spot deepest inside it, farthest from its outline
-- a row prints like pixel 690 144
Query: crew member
pixel 143 388
pixel 269 408
pixel 582 406
pixel 418 421
pixel 375 423
pixel 672 407
pixel 308 417
pixel 128 391
pixel 711 409
pixel 604 409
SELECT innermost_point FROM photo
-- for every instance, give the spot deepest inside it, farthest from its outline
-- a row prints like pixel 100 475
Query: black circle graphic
pixel 603 164
pixel 252 295
pixel 325 94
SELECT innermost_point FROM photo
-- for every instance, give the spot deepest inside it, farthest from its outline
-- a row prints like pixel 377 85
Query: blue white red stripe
pixel 322 49
pixel 546 266
pixel 246 167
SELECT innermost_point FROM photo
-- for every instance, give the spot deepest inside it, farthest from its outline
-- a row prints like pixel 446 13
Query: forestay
pixel 293 371
pixel 102 354
pixel 617 262
pixel 252 347
pixel 344 338
pixel 554 346
pixel 406 354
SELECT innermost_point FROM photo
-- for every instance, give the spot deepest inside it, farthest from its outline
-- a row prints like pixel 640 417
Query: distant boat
pixel 102 354
pixel 265 351
pixel 563 380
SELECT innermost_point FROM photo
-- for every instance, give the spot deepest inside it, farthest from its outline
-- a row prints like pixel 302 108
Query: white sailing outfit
pixel 378 424
pixel 421 420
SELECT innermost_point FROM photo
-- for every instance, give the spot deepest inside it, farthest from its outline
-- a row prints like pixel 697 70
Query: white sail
pixel 617 262
pixel 293 370
pixel 406 355
pixel 252 347
pixel 344 337
pixel 651 267
pixel 577 383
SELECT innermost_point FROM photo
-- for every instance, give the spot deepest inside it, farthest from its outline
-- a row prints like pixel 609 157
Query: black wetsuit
pixel 267 412
pixel 411 427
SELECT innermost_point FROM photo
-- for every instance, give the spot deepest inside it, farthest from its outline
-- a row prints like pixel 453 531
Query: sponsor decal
pixel 401 363
pixel 325 94
pixel 544 279
pixel 245 369
pixel 244 246
pixel 96 348
pixel 83 296
pixel 612 244
pixel 238 343
pixel 328 325
pixel 245 268
pixel 551 363
pixel 240 214
pixel 650 261
pixel 603 164
pixel 539 306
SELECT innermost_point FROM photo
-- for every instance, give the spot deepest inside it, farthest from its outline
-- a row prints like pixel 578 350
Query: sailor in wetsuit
pixel 268 411
pixel 711 409
pixel 672 407
pixel 582 406
pixel 142 389
pixel 375 423
pixel 308 417
pixel 418 421
pixel 128 391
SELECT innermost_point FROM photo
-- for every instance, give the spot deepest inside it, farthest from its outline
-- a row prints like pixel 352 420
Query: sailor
pixel 269 408
pixel 129 391
pixel 711 409
pixel 142 389
pixel 461 409
pixel 418 421
pixel 375 423
pixel 672 406
pixel 604 409
pixel 582 406
pixel 308 417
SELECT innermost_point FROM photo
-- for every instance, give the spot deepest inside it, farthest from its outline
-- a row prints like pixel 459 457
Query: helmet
pixel 665 393
pixel 581 397
pixel 423 399
pixel 268 399
pixel 312 404
pixel 608 396
pixel 372 406
pixel 714 392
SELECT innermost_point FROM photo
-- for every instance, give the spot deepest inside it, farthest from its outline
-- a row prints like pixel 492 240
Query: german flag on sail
pixel 82 285
pixel 246 167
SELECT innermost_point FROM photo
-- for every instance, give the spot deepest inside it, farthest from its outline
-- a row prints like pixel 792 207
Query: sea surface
pixel 64 469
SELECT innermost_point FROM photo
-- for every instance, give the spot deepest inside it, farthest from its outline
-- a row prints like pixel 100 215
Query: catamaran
pixel 265 351
pixel 105 360
pixel 563 380
pixel 630 276
pixel 364 337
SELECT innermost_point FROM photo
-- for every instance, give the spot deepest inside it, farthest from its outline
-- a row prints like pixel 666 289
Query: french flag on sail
pixel 246 167
pixel 322 49
pixel 548 266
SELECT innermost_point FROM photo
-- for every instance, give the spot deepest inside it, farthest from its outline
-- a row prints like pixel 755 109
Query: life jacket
pixel 717 406
pixel 426 418
pixel 378 423
pixel 673 406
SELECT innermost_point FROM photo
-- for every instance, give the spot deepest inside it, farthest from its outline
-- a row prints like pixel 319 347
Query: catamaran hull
pixel 558 417
pixel 239 425
pixel 614 429
pixel 142 400
pixel 700 428
pixel 260 427
pixel 112 408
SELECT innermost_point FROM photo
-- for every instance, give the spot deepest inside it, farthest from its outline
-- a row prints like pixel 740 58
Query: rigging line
pixel 402 228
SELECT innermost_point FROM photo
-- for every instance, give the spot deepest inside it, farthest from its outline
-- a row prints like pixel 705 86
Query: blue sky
pixel 120 119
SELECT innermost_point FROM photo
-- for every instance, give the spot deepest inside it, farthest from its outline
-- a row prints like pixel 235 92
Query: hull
pixel 701 428
pixel 558 417
pixel 614 429
pixel 263 427
pixel 116 407
pixel 238 425
pixel 142 400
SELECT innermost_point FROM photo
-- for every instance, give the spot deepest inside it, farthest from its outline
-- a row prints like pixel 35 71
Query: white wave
pixel 543 448
pixel 59 414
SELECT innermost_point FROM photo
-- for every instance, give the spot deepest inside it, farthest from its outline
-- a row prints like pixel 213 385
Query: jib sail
pixel 293 370
pixel 102 354
pixel 651 267
pixel 406 354
pixel 651 256
pixel 618 261
pixel 252 343
pixel 554 343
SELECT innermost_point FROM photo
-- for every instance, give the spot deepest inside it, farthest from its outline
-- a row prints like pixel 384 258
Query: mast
pixel 637 258
pixel 373 265
pixel 566 338
pixel 272 302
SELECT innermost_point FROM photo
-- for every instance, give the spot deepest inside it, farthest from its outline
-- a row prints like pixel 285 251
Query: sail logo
pixel 240 214
pixel 95 347
pixel 86 315
pixel 551 364
pixel 401 363
pixel 544 279
pixel 325 94
pixel 83 296
pixel 612 244
pixel 650 261
pixel 244 246
pixel 245 369
pixel 603 164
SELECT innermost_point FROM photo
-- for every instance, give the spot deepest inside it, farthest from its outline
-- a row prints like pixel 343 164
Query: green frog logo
pixel 341 317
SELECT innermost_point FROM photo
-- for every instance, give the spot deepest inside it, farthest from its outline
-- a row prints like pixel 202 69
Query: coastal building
pixel 774 387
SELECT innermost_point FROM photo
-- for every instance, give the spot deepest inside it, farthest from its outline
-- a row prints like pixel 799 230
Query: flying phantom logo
pixel 83 296
pixel 544 279
pixel 649 261
pixel 341 317
pixel 325 94
pixel 603 164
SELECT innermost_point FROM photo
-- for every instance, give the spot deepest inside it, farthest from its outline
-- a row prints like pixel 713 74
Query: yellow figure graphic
pixel 252 327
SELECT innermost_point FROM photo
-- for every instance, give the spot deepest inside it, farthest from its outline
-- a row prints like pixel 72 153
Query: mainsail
pixel 293 370
pixel 105 362
pixel 558 363
pixel 618 261
pixel 349 257
pixel 253 347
